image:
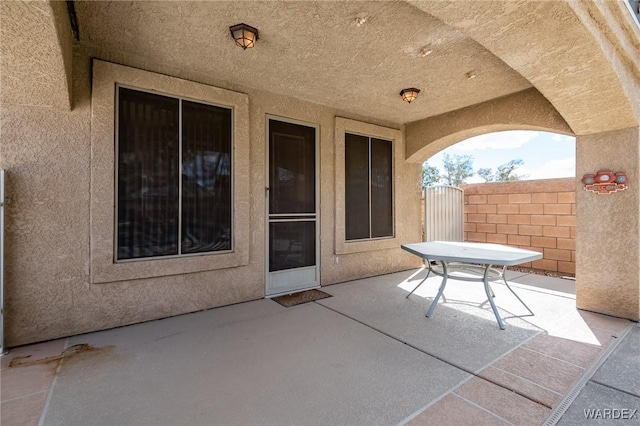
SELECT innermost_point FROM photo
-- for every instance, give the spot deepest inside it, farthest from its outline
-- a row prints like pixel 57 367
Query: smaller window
pixel 368 188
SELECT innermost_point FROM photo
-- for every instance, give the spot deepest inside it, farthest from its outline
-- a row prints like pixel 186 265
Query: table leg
pixel 425 278
pixel 514 293
pixel 445 275
pixel 488 291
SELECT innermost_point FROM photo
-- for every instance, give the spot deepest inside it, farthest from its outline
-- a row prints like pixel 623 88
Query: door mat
pixel 302 297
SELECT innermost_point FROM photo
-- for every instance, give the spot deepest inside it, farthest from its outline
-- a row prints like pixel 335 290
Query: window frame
pixel 116 175
pixel 393 190
pixel 102 229
pixel 342 127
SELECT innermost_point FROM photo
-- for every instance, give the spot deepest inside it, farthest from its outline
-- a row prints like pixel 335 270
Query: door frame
pixel 316 127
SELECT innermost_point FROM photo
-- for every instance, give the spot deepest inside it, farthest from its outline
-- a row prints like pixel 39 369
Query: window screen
pixel 356 187
pixel 206 178
pixel 368 188
pixel 174 188
pixel 381 189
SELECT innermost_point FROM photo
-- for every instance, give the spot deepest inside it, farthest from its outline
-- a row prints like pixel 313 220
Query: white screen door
pixel 292 252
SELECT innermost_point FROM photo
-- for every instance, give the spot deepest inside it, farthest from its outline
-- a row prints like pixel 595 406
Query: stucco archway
pixel 591 78
pixel 601 285
pixel 584 75
pixel 526 110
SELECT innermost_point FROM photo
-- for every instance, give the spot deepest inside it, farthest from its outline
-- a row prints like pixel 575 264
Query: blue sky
pixel 545 155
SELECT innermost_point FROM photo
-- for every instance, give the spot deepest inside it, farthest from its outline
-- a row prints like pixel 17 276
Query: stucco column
pixel 607 251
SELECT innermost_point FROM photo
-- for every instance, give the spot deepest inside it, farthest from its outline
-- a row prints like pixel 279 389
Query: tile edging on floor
pixel 559 410
pixel 45 408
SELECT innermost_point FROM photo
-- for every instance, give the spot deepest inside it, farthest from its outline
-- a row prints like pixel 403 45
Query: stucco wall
pixel 608 250
pixel 49 293
pixel 537 215
pixel 35 36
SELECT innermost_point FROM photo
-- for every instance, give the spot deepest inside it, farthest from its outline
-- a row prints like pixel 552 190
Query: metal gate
pixel 443 213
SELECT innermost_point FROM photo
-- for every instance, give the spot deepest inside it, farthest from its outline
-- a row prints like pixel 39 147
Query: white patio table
pixel 477 258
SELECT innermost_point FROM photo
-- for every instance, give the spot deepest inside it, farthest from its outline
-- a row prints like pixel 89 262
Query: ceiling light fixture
pixel 244 35
pixel 360 21
pixel 409 95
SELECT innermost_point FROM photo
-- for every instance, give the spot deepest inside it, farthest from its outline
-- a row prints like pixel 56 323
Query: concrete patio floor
pixel 365 356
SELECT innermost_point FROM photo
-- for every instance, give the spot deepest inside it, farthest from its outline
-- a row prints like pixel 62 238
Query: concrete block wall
pixel 539 215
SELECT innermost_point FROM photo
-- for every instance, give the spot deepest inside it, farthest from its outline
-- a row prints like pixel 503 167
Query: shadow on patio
pixel 367 355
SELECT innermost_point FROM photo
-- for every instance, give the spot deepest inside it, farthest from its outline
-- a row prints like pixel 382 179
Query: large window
pixel 174 193
pixel 368 187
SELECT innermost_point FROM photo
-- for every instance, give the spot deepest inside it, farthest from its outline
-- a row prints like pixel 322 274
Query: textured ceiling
pixel 309 50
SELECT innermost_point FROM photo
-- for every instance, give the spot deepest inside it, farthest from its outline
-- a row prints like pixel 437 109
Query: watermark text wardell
pixel 610 413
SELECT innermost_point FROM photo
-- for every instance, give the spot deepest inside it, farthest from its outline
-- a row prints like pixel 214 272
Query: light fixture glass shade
pixel 409 95
pixel 244 35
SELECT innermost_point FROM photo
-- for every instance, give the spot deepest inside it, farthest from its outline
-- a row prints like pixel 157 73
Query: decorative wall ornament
pixel 605 182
